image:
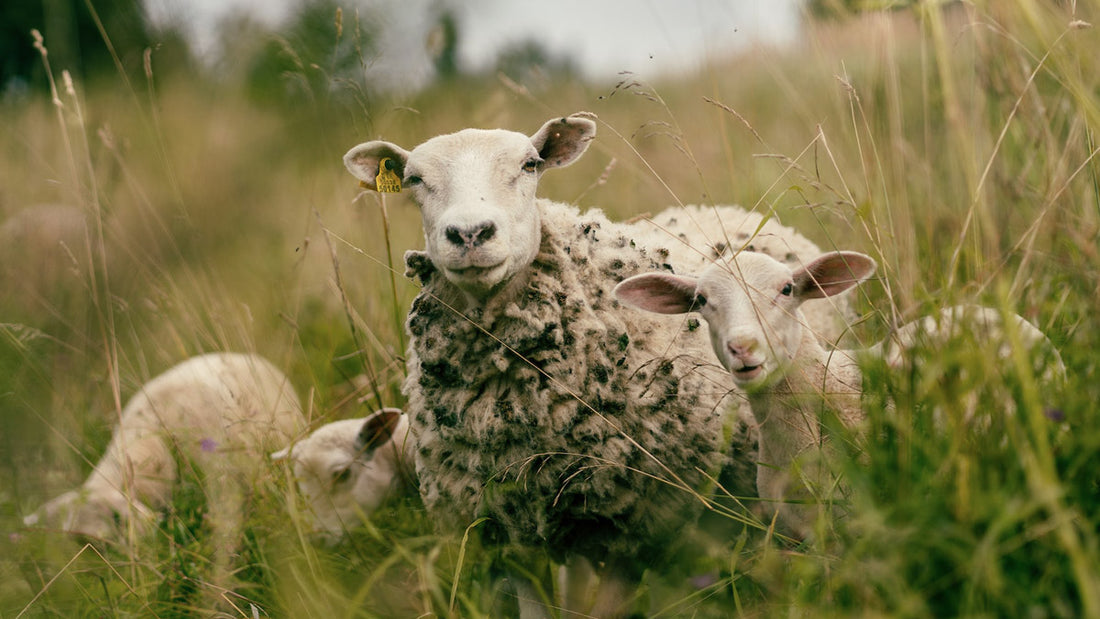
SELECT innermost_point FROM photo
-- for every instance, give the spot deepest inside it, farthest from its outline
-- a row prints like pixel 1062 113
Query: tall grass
pixel 956 144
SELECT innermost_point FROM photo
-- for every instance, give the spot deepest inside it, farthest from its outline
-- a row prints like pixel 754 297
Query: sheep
pixel 220 412
pixel 536 402
pixel 52 237
pixel 346 469
pixel 751 304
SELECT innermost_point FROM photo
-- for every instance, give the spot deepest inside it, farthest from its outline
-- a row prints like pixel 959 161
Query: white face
pixel 751 305
pixel 476 191
pixel 752 312
pixel 100 515
pixel 341 480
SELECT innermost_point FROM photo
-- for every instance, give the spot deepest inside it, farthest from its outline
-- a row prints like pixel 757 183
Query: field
pixel 957 146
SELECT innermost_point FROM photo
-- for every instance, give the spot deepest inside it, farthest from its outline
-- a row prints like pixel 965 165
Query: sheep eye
pixel 699 301
pixel 531 165
pixel 341 476
pixel 788 289
pixel 413 180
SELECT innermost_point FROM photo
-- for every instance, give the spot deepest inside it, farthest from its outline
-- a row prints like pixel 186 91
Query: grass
pixel 956 145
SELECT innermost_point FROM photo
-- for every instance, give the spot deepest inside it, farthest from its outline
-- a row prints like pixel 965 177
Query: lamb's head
pixel 346 469
pixel 102 514
pixel 751 305
pixel 476 192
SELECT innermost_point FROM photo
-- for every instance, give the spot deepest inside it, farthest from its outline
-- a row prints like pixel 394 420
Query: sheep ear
pixel 561 141
pixel 832 274
pixel 661 293
pixel 363 160
pixel 378 428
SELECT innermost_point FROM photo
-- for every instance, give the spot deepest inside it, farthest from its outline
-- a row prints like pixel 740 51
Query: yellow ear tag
pixel 387 180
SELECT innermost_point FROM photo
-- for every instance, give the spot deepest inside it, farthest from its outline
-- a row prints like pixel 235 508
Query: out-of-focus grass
pixel 957 145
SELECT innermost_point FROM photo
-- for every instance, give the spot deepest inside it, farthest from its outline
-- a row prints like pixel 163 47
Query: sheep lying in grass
pixel 52 237
pixel 752 307
pixel 346 469
pixel 572 426
pixel 219 412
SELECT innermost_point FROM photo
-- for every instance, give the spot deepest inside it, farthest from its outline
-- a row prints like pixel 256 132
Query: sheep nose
pixel 741 348
pixel 471 236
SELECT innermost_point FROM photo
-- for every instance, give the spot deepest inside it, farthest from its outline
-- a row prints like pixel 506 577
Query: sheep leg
pixel 615 594
pixel 531 604
pixel 575 580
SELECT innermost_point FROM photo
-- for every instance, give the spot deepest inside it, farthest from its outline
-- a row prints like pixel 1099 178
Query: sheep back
pixel 222 412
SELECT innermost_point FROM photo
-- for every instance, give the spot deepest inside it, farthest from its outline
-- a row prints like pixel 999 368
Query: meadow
pixel 956 145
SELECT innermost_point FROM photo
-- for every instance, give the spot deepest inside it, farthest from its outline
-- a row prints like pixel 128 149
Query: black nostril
pixel 488 230
pixel 454 235
pixel 471 237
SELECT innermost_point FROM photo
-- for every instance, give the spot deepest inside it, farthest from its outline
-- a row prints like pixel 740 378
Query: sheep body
pixel 51 237
pixel 219 411
pixel 752 306
pixel 486 379
pixel 536 402
pixel 346 469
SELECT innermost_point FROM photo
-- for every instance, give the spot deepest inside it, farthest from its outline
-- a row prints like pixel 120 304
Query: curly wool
pixel 555 413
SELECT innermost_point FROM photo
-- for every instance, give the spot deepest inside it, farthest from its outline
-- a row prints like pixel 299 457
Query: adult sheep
pixel 752 305
pixel 219 412
pixel 572 426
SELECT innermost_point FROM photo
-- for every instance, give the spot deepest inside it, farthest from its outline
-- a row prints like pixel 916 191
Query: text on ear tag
pixel 387 180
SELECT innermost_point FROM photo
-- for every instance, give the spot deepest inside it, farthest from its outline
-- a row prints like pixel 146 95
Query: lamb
pixel 752 307
pixel 536 401
pixel 52 237
pixel 346 469
pixel 220 412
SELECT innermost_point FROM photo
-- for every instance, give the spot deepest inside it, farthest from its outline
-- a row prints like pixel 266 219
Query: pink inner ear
pixel 562 141
pixel 833 273
pixel 658 292
pixel 379 428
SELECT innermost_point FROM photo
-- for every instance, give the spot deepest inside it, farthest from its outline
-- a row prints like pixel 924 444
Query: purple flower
pixel 1055 414
pixel 208 445
pixel 702 581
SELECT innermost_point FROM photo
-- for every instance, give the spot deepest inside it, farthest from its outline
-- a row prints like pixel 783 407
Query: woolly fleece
pixel 568 421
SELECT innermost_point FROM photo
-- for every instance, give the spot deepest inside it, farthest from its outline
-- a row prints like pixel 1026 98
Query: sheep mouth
pixel 748 372
pixel 475 272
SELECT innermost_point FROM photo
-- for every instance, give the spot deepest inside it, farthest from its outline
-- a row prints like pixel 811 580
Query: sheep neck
pixel 788 411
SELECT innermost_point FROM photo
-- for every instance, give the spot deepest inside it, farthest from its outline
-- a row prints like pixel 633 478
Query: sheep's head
pixel 346 469
pixel 751 305
pixel 103 514
pixel 476 192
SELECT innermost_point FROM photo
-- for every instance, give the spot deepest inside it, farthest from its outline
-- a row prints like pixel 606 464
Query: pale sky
pixel 605 37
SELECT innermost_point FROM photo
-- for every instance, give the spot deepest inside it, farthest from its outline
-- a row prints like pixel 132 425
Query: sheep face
pixel 102 514
pixel 346 469
pixel 476 193
pixel 751 305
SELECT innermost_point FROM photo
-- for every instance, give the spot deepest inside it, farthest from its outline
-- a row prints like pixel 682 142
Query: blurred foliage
pixel 529 62
pixel 71 29
pixel 317 57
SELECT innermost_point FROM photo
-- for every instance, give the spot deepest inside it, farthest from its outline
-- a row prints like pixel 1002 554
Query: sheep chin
pixel 751 378
pixel 479 281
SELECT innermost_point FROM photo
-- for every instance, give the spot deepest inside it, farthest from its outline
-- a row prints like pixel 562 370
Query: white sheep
pixel 221 412
pixel 574 427
pixel 751 304
pixel 346 469
pixel 53 238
